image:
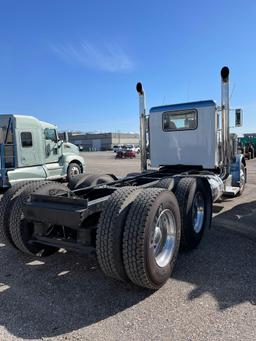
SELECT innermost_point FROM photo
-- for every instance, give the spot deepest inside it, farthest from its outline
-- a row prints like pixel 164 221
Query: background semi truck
pixel 247 146
pixel 31 150
pixel 137 224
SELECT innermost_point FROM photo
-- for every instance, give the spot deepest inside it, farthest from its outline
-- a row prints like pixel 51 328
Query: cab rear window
pixel 180 120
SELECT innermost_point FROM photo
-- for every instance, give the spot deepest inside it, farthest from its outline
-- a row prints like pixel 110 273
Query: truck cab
pixel 32 150
pixel 195 137
pixel 186 134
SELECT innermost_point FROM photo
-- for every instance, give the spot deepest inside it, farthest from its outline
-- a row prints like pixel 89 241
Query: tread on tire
pixel 20 229
pixel 139 261
pixel 110 232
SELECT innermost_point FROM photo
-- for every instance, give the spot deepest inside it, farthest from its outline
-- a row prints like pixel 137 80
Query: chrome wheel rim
pixel 164 238
pixel 198 212
pixel 74 171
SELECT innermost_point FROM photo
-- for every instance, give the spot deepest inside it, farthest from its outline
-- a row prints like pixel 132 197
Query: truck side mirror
pixel 238 117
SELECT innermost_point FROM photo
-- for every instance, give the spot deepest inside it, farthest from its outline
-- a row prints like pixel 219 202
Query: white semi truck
pixel 31 150
pixel 137 224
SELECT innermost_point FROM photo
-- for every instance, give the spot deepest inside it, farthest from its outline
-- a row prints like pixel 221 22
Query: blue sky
pixel 76 62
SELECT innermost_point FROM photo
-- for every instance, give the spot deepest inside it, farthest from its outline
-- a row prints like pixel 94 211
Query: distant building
pixel 102 141
pixel 250 135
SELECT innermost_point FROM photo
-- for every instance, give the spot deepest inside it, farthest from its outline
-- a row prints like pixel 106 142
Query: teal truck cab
pixel 31 150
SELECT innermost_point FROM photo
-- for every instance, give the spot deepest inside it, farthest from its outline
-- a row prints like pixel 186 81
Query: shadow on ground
pixel 224 265
pixel 67 292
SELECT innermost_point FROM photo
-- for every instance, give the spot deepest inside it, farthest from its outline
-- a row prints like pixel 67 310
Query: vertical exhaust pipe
pixel 225 119
pixel 143 137
pixel 66 136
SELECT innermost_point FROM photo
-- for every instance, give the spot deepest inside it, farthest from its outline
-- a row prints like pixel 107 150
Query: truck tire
pixel 88 180
pixel 195 209
pixel 21 230
pixel 131 175
pixel 5 207
pixel 243 179
pixel 151 238
pixel 110 232
pixel 76 179
pixel 73 170
pixel 167 183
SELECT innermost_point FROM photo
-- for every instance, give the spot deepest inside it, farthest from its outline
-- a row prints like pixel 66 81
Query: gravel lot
pixel 106 163
pixel 211 295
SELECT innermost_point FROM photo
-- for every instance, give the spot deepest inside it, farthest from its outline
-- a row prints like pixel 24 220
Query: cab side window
pixel 26 139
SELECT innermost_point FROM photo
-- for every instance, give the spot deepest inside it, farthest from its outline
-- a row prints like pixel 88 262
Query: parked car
pixel 126 152
pixel 119 147
pixel 137 149
pixel 116 148
pixel 134 147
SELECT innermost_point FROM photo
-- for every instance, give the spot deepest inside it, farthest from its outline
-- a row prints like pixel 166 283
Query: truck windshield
pixel 50 134
pixel 180 120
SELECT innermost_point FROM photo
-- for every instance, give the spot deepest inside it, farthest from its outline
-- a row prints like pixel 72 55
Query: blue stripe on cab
pixel 183 106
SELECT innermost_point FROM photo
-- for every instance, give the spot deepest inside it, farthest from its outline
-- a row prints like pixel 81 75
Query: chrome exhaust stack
pixel 143 134
pixel 225 119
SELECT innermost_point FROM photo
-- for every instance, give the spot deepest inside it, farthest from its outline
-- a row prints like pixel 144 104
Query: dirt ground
pixel 106 163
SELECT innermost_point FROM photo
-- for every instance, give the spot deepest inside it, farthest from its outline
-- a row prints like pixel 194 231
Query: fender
pixel 235 167
pixel 67 159
pixel 216 186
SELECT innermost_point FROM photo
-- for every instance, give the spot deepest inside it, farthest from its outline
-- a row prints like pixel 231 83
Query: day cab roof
pixel 183 106
pixel 24 121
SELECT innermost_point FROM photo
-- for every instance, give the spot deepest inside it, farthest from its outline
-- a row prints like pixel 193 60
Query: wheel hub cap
pixel 242 179
pixel 74 171
pixel 198 212
pixel 164 239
